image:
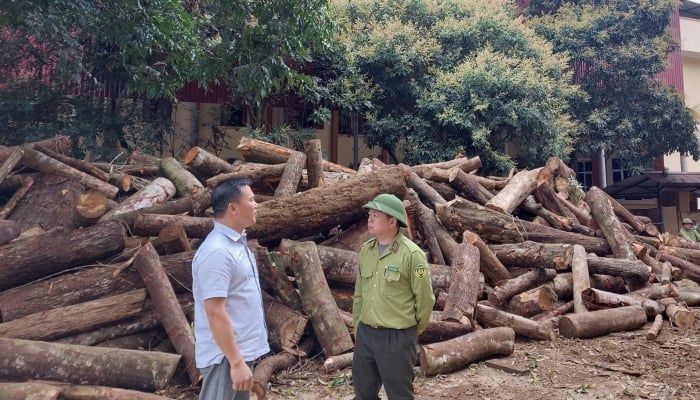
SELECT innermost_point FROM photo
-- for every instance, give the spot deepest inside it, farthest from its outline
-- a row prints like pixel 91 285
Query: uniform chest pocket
pixel 392 282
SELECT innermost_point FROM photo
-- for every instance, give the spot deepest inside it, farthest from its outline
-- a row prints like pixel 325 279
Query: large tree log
pixel 156 192
pixel 657 291
pixel 532 302
pixel 317 299
pixel 272 271
pixel 60 144
pixel 581 277
pixel 43 163
pixel 672 240
pixel 426 192
pixel 464 286
pixel 457 353
pixel 554 220
pixel 264 177
pixel 268 153
pixel 492 268
pixel 425 221
pixel 40 256
pixel 193 205
pixel 147 263
pixel 8 231
pixel 92 205
pixel 643 253
pixel 9 207
pixel 519 187
pixel 678 313
pixel 601 322
pixel 618 238
pixel 185 183
pixel 628 269
pixel 292 175
pixel 129 369
pixel 314 162
pixel 173 239
pixel 28 391
pixel 14 156
pixel 49 203
pixel 463 164
pixel 692 299
pixel 80 165
pixel 625 214
pixel 502 293
pixel 469 187
pixel 690 270
pixel 206 163
pixel 74 319
pixel 286 325
pixel 530 254
pixel 350 238
pixel 489 316
pixel 439 331
pixel 597 299
pixel 336 363
pixel 497 227
pixel 92 392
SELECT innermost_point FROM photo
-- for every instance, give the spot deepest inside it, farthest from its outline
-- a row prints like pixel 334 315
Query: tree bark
pixel 40 256
pixel 206 163
pixel 147 263
pixel 272 270
pixel 601 322
pixel 597 299
pixel 690 270
pixel 156 192
pixel 533 301
pixel 425 221
pixel 534 255
pixel 497 227
pixel 464 164
pixel 268 153
pixel 678 313
pixel 317 300
pixel 425 191
pixel 510 197
pixel 439 331
pixel 469 187
pixel 314 162
pixel 263 176
pixel 43 163
pixel 581 277
pixel 8 231
pixel 492 268
pixel 49 204
pixel 9 207
pixel 92 205
pixel 627 269
pixel 28 391
pixel 692 299
pixel 457 353
pixel 657 292
pixel 174 239
pixel 286 325
pixel 463 292
pixel 336 363
pixel 618 238
pixel 653 332
pixel 185 183
pixel 129 369
pixel 490 316
pixel 291 176
pixel 80 165
pixel 194 205
pixel 642 252
pixel 92 392
pixel 69 320
pixel 555 221
pixel 14 156
pixel 502 293
pixel 350 238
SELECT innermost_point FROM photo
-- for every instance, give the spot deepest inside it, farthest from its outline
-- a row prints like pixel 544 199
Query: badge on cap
pixel 420 270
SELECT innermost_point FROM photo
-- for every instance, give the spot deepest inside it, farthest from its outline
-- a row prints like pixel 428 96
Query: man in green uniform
pixel 688 231
pixel 392 304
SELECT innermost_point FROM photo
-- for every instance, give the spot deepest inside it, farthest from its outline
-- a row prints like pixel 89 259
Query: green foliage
pixel 459 75
pixel 617 47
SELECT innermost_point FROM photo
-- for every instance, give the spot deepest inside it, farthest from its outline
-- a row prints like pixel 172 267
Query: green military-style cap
pixel 389 205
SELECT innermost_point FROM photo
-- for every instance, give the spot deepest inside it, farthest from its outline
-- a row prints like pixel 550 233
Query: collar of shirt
pixel 229 232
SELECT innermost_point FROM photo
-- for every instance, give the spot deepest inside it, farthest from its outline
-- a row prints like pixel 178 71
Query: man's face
pixel 245 207
pixel 379 223
pixel 687 226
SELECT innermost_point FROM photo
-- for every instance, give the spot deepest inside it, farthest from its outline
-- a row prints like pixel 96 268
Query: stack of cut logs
pixel 97 256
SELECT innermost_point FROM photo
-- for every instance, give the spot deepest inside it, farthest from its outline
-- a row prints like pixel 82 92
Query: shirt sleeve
pixel 214 273
pixel 357 297
pixel 422 289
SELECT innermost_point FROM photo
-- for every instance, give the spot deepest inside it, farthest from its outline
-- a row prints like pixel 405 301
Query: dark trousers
pixel 384 356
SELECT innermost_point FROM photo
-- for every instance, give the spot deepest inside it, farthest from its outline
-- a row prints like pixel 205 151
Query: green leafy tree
pixel 459 76
pixel 617 48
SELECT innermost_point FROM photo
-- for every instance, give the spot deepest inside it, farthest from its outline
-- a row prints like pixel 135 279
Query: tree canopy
pixel 459 76
pixel 617 50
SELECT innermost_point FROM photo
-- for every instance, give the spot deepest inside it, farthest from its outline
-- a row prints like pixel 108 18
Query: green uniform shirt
pixel 393 290
pixel 690 234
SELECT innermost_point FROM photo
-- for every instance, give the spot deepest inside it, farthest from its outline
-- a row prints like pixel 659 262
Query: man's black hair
pixel 227 192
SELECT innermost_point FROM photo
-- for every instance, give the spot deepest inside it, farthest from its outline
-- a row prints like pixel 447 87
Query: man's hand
pixel 241 376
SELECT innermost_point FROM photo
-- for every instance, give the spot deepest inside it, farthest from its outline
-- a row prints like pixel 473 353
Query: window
pixel 618 171
pixel 233 115
pixel 584 173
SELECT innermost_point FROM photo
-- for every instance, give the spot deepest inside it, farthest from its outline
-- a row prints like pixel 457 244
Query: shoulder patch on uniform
pixel 420 270
pixel 370 242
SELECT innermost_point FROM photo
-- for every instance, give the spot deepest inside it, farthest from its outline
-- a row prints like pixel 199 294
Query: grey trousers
pixel 384 356
pixel 217 385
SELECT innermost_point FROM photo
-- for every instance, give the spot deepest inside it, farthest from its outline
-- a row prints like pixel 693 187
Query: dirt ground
pixel 617 366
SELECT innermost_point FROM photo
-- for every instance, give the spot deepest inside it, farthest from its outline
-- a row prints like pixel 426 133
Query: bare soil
pixel 617 366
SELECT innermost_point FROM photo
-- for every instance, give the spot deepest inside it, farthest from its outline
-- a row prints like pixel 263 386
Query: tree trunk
pixel 426 192
pixel 692 299
pixel 314 162
pixel 678 313
pixel 14 156
pixel 464 164
pixel 533 301
pixel 268 153
pixel 497 227
pixel 555 221
pixel 627 269
pixel 582 215
pixel 92 205
pixel 350 238
pixel 597 299
pixel 534 255
pixel 28 391
pixel 618 238
pixel 601 322
pixel 642 252
pixel 336 363
pixel 69 320
pixel 43 163
pixel 185 183
pixel 49 204
pixel 469 187
pixel 291 176
pixel 502 293
pixel 581 277
pixel 272 270
pixel 174 239
pixel 425 221
pixel 193 205
pixel 653 332
pixel 80 165
pixel 91 392
pixel 43 255
pixel 129 369
pixel 492 268
pixel 11 204
pixel 263 176
pixel 457 353
pixel 463 292
pixel 286 325
pixel 317 300
pixel 657 292
pixel 672 240
pixel 156 192
pixel 690 270
pixel 206 163
pixel 167 306
pixel 510 197
pixel 8 231
pixel 489 316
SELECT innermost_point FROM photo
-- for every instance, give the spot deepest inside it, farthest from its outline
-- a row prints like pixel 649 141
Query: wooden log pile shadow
pixel 95 278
